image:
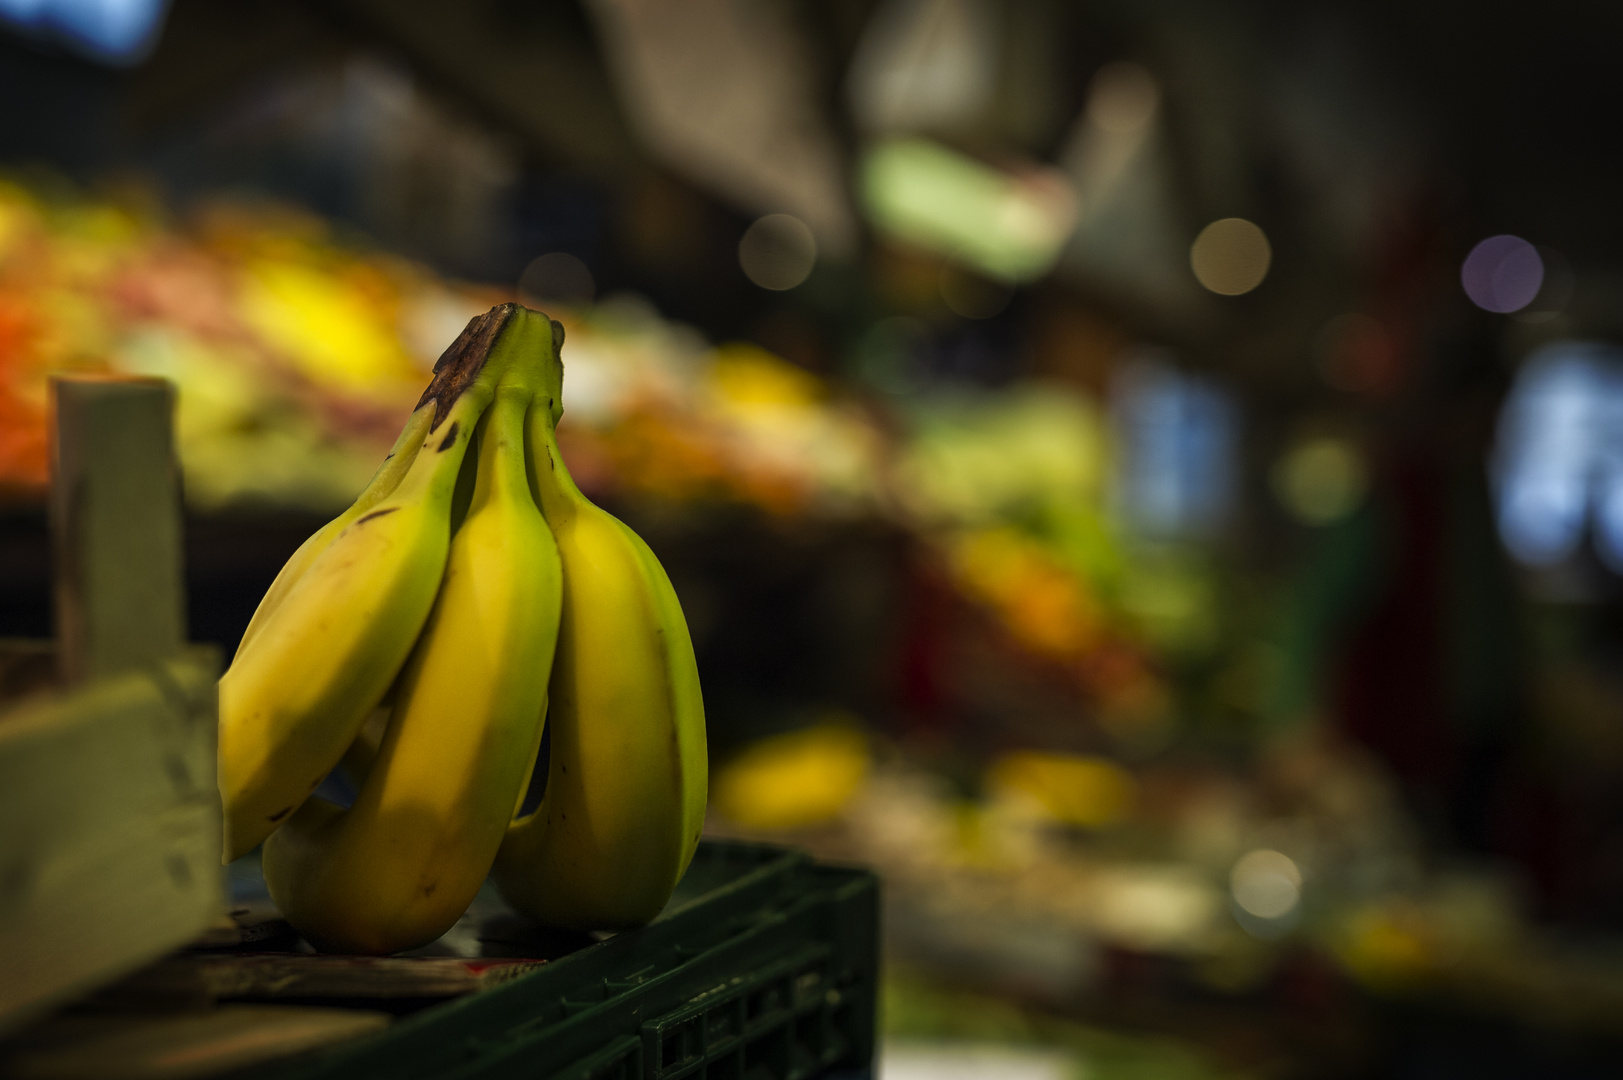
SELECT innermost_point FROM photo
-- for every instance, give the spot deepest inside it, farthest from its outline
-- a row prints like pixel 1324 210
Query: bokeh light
pixel 1559 454
pixel 114 31
pixel 1320 480
pixel 556 278
pixel 1179 434
pixel 1008 223
pixel 1231 256
pixel 777 252
pixel 1266 884
pixel 1609 520
pixel 1502 274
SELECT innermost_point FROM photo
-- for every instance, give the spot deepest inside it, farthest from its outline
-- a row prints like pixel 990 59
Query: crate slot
pixel 723 1023
pixel 681 1044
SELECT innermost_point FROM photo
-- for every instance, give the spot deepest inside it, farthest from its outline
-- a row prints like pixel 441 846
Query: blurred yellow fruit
pixel 324 325
pixel 1072 789
pixel 746 375
pixel 794 780
pixel 1386 948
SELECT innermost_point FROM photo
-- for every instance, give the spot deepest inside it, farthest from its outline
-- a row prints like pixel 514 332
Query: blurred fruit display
pixel 294 356
pixel 296 352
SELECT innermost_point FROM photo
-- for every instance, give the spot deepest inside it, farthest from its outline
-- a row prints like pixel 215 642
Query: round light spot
pixel 1230 256
pixel 1502 274
pixel 1320 480
pixel 972 296
pixel 777 252
pixel 556 278
pixel 1122 98
pixel 1266 884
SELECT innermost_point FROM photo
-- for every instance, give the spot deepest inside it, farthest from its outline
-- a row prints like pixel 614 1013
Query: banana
pixel 382 484
pixel 326 652
pixel 626 783
pixel 400 866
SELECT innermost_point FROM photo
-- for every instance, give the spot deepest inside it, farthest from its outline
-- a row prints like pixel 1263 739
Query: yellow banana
pixel 400 866
pixel 382 484
pixel 298 691
pixel 626 780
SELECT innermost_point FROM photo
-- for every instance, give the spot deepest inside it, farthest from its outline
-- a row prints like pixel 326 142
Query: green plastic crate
pixel 763 967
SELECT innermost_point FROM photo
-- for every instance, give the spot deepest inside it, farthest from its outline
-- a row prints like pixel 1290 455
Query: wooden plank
pixel 179 1045
pixel 109 830
pixel 116 533
pixel 192 978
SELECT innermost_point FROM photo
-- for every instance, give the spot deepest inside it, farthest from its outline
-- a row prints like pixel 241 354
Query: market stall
pixel 1145 488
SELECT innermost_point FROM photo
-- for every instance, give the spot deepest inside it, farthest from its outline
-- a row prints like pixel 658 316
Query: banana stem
pixel 554 489
pixel 528 349
pixel 464 364
pixel 397 464
pixel 501 449
pixel 452 438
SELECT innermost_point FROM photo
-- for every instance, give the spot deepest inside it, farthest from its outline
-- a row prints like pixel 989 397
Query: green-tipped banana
pixel 626 781
pixel 399 867
pixel 325 654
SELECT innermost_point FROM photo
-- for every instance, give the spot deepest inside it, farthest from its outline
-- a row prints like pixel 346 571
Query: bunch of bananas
pixel 423 637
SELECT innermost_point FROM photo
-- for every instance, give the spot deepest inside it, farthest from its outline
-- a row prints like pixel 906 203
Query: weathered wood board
pixel 109 808
pixel 181 1045
pixel 115 525
pixel 109 830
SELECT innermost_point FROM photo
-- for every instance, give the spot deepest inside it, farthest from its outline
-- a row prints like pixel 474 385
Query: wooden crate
pixel 109 830
pixel 109 808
